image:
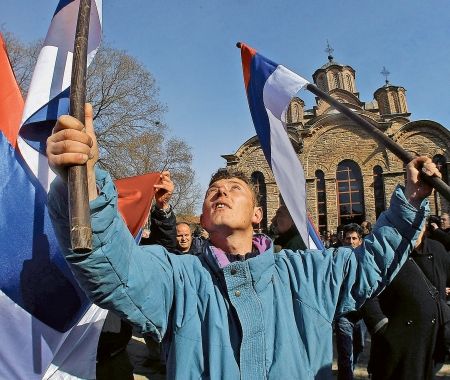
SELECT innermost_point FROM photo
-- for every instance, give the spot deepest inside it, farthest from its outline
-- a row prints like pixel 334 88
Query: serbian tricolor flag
pixel 270 88
pixel 48 327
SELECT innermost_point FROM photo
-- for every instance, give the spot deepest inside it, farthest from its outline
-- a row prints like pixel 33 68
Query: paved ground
pixel 138 353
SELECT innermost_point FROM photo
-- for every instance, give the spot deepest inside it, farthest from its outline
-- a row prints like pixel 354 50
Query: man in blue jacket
pixel 237 310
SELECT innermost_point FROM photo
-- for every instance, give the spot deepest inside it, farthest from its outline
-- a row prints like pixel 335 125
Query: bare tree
pixel 124 96
pixel 132 137
pixel 152 152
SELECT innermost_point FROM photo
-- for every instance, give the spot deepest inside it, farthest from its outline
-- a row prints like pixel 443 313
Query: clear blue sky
pixel 189 46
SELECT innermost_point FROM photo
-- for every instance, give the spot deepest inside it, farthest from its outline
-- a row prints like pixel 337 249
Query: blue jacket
pixel 268 317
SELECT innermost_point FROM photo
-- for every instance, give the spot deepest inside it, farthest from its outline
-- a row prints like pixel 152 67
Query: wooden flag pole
pixel 79 214
pixel 393 146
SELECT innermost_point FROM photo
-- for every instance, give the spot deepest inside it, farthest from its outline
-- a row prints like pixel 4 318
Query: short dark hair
pixel 353 227
pixel 229 174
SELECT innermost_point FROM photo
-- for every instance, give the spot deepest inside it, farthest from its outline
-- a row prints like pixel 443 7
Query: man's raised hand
pixel 416 188
pixel 164 190
pixel 70 145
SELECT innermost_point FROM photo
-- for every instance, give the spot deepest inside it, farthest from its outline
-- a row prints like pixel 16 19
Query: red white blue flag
pixel 48 328
pixel 270 88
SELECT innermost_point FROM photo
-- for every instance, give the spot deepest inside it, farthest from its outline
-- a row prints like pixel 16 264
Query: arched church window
pixel 441 164
pixel 321 201
pixel 378 190
pixel 396 104
pixel 349 82
pixel 294 113
pixel 383 105
pixel 259 182
pixel 321 82
pixel 336 80
pixel 403 102
pixel 350 193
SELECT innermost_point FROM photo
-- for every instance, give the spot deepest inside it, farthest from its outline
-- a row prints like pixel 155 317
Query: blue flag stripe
pixel 261 70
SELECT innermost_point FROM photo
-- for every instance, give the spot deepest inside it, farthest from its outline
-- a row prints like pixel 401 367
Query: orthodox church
pixel 349 175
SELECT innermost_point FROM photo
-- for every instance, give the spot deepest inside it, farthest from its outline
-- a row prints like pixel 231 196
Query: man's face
pixel 229 206
pixel 352 238
pixel 282 221
pixel 445 221
pixel 184 237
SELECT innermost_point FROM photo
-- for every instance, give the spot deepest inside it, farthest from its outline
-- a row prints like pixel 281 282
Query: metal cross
pixel 385 73
pixel 329 50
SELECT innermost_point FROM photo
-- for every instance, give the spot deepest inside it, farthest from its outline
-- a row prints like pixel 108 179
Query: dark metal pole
pixel 80 222
pixel 394 147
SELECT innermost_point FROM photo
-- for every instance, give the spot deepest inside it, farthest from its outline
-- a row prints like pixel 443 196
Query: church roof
pixel 330 63
pixel 388 86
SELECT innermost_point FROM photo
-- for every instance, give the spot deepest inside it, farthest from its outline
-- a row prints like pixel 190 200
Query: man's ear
pixel 257 215
pixel 201 220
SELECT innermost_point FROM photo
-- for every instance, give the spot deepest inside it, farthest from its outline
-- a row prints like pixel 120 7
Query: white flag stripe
pixel 77 356
pixel 288 175
pixel 36 162
pixel 39 91
pixel 55 59
pixel 278 91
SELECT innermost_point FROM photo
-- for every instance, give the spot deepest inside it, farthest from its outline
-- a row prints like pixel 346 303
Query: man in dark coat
pixel 404 319
pixel 349 328
pixel 440 231
pixel 287 233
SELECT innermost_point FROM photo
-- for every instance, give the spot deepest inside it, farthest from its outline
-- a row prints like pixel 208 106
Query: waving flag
pixel 270 88
pixel 134 200
pixel 48 329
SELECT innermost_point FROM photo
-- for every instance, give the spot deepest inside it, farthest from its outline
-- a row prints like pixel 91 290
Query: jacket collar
pixel 218 259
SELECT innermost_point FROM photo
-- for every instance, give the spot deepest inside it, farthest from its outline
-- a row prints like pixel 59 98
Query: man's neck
pixel 237 243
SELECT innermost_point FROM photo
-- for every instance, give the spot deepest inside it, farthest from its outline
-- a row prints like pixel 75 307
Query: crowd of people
pixel 243 305
pixel 401 359
pixel 404 320
pixel 406 351
pixel 411 347
pixel 403 299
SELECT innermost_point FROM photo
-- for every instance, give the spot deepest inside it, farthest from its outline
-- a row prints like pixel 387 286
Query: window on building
pixel 441 164
pixel 383 104
pixel 294 113
pixel 378 190
pixel 349 82
pixel 321 82
pixel 336 81
pixel 350 195
pixel 396 103
pixel 321 201
pixel 403 102
pixel 260 185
